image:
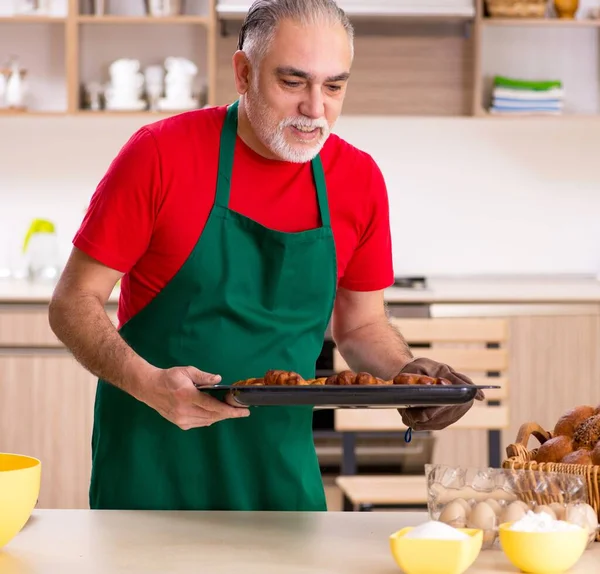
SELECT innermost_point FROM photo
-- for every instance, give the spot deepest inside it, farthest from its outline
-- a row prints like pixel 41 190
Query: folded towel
pixel 500 110
pixel 551 94
pixel 524 105
pixel 518 84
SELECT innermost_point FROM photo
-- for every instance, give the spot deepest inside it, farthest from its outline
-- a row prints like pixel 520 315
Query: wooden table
pixel 118 542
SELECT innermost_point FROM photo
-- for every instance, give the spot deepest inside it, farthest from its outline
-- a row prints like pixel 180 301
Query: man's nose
pixel 313 105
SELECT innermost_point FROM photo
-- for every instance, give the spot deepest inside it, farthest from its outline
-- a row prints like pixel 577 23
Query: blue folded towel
pixel 525 110
pixel 512 103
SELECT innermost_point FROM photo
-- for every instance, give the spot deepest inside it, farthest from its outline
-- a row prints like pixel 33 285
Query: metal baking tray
pixel 350 396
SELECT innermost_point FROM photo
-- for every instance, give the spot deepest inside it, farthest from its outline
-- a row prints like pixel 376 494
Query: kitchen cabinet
pixel 46 404
pixel 554 364
pixel 46 397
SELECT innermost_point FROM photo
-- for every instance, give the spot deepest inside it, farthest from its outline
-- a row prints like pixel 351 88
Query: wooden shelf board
pixel 34 19
pixel 114 113
pixel 233 12
pixel 540 22
pixel 533 116
pixel 25 113
pixel 203 20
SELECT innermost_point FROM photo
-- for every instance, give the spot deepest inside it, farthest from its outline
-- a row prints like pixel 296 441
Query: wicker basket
pixel 519 458
pixel 517 8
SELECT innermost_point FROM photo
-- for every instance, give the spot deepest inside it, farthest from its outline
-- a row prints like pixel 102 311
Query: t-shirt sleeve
pixel 371 266
pixel 117 227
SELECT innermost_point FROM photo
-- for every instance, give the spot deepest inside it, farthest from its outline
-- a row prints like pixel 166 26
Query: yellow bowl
pixel 19 490
pixel 426 556
pixel 542 552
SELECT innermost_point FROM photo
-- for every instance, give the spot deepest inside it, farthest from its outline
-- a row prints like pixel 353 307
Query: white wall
pixel 466 195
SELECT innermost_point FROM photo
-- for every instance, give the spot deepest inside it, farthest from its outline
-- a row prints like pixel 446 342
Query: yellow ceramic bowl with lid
pixel 543 552
pixel 435 556
pixel 19 490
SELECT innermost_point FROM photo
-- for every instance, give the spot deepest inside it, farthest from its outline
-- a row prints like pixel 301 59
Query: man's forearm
pixel 83 326
pixel 378 348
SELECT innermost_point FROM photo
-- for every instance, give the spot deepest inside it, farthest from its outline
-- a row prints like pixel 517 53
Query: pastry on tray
pixel 344 378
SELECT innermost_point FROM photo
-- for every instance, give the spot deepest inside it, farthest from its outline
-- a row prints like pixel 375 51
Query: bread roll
pixel 581 456
pixel 587 433
pixel 596 454
pixel 567 424
pixel 555 449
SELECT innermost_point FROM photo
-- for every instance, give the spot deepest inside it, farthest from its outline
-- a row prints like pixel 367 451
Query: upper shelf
pixel 144 20
pixel 33 19
pixel 541 22
pixel 372 9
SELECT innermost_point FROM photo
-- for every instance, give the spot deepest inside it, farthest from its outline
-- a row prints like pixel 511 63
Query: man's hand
pixel 436 418
pixel 171 392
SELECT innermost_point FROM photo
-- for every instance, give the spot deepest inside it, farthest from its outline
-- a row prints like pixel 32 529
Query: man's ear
pixel 241 71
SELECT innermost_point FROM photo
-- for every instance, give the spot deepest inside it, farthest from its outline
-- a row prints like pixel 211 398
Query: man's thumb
pixel 201 378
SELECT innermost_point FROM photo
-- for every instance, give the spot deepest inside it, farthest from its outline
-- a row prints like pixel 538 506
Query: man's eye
pixel 291 84
pixel 334 88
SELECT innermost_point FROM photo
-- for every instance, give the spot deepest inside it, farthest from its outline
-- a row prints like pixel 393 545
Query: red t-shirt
pixel 151 206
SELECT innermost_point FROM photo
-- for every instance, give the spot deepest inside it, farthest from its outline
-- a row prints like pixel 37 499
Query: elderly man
pixel 238 231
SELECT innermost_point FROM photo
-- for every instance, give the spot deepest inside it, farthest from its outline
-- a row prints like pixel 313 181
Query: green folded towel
pixel 517 84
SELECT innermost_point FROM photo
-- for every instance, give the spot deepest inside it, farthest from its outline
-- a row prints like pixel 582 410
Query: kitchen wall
pixel 467 196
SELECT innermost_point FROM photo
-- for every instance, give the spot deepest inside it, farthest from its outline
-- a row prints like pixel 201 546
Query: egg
pixel 464 504
pixel 559 510
pixel 494 505
pixel 546 509
pixel 482 516
pixel 583 515
pixel 513 512
pixel 522 504
pixel 454 514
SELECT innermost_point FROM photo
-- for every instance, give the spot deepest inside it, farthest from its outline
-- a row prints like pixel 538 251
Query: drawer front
pixel 27 326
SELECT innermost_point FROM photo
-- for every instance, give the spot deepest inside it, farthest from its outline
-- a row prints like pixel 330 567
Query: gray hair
pixel 263 16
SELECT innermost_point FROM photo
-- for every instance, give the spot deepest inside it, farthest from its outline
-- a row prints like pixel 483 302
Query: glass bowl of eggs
pixel 483 499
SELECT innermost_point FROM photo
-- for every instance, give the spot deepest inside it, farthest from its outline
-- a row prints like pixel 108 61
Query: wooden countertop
pixel 28 292
pixel 508 289
pixel 124 542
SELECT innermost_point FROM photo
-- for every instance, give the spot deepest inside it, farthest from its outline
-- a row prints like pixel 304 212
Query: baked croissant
pixel 345 378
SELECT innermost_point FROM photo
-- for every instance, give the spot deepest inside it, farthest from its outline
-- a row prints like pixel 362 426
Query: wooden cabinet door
pixel 46 411
pixel 554 365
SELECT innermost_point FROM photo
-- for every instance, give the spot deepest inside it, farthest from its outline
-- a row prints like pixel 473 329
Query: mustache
pixel 304 122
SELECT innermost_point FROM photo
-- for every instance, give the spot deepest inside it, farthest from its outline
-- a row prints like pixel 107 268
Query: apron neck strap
pixel 226 153
pixel 319 179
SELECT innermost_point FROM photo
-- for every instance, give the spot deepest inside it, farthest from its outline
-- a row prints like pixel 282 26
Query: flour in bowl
pixel 434 530
pixel 542 522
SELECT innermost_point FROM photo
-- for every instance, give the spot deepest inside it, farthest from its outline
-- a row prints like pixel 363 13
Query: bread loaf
pixel 596 454
pixel 587 434
pixel 555 449
pixel 581 456
pixel 567 424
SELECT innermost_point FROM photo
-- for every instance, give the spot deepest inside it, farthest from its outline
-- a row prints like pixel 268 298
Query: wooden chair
pixel 473 346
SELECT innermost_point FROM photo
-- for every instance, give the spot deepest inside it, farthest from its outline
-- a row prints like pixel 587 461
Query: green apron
pixel 248 299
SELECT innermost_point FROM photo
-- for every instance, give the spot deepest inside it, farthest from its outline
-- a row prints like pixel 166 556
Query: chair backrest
pixel 476 347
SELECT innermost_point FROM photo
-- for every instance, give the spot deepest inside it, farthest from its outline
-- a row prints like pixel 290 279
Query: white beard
pixel 272 134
